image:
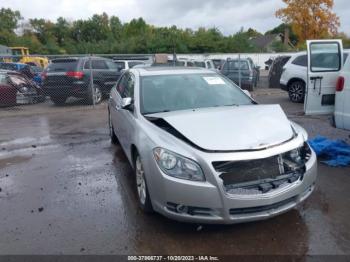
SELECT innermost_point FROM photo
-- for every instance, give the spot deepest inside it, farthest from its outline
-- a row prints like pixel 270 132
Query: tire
pixel 97 93
pixel 114 139
pixel 141 187
pixel 332 121
pixel 58 100
pixel 296 91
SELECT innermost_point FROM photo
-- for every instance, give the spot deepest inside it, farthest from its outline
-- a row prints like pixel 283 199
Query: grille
pixel 249 210
pixel 250 170
pixel 259 175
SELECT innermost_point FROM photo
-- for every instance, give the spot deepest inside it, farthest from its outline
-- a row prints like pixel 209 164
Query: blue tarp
pixel 335 152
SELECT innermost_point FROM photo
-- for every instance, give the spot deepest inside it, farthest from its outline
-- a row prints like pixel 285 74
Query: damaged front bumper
pixel 222 201
pixel 27 98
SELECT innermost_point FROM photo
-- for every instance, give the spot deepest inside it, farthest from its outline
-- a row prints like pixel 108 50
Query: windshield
pixel 164 93
pixel 62 65
pixel 199 64
pixel 237 64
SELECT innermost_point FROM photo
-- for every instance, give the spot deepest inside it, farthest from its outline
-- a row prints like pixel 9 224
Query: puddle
pixel 5 162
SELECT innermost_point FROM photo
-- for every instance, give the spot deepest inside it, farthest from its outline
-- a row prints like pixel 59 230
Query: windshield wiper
pixel 156 112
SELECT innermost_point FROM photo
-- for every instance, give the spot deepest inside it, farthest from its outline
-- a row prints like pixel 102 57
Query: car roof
pixel 169 70
pixel 125 60
pixel 75 58
pixel 237 59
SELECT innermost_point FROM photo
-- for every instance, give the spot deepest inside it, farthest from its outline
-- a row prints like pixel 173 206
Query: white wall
pixel 258 58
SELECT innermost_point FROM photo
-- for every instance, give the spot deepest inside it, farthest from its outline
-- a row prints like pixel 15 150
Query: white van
pixel 342 98
pixel 328 81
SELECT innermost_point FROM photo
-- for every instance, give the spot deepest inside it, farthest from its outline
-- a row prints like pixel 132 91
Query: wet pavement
pixel 66 190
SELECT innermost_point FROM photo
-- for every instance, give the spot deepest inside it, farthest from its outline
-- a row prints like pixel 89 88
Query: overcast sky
pixel 227 15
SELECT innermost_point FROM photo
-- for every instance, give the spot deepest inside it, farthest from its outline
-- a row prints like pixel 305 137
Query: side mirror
pixel 126 102
pixel 247 93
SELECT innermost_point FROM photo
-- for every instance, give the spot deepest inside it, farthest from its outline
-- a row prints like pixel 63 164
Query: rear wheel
pixel 141 186
pixel 58 100
pixel 96 96
pixel 296 91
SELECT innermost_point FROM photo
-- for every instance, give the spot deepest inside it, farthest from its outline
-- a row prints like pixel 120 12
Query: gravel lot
pixel 66 190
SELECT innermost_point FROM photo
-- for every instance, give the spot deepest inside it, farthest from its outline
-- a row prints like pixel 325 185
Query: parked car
pixel 70 77
pixel 127 64
pixel 268 63
pixel 241 70
pixel 32 72
pixel 8 93
pixel 181 62
pixel 276 69
pixel 218 63
pixel 294 74
pixel 191 136
pixel 208 64
pixel 256 68
pixel 16 88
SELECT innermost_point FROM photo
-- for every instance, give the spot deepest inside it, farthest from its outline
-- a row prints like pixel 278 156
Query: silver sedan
pixel 204 151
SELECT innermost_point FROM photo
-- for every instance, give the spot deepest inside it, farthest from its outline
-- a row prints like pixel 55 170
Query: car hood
pixel 234 128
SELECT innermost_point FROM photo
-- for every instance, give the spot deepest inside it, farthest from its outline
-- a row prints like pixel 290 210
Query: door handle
pixel 315 78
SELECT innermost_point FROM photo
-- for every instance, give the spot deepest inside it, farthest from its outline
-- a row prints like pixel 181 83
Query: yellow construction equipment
pixel 22 56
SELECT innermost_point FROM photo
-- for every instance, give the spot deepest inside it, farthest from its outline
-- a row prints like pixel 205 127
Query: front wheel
pixel 114 139
pixel 141 187
pixel 296 91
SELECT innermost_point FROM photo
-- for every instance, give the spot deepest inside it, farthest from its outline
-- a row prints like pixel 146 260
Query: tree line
pixel 108 34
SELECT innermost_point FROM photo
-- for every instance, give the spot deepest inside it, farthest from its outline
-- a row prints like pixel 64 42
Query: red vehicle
pixel 16 88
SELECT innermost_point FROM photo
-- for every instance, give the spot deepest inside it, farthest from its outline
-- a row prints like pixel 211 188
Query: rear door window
pixel 120 65
pixel 63 65
pixel 300 61
pixel 112 65
pixel 99 64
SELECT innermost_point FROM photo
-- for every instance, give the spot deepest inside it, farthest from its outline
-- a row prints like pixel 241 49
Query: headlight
pixel 23 89
pixel 295 155
pixel 177 166
pixel 295 159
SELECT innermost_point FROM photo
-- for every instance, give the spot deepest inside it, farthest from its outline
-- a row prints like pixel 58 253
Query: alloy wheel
pixel 97 95
pixel 140 181
pixel 296 92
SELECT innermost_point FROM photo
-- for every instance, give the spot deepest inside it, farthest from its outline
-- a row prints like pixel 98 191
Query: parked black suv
pixel 70 77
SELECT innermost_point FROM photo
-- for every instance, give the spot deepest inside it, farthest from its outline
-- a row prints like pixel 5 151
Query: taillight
pixel 340 84
pixel 75 74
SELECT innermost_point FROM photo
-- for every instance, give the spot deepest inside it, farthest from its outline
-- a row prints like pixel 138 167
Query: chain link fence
pixel 63 80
